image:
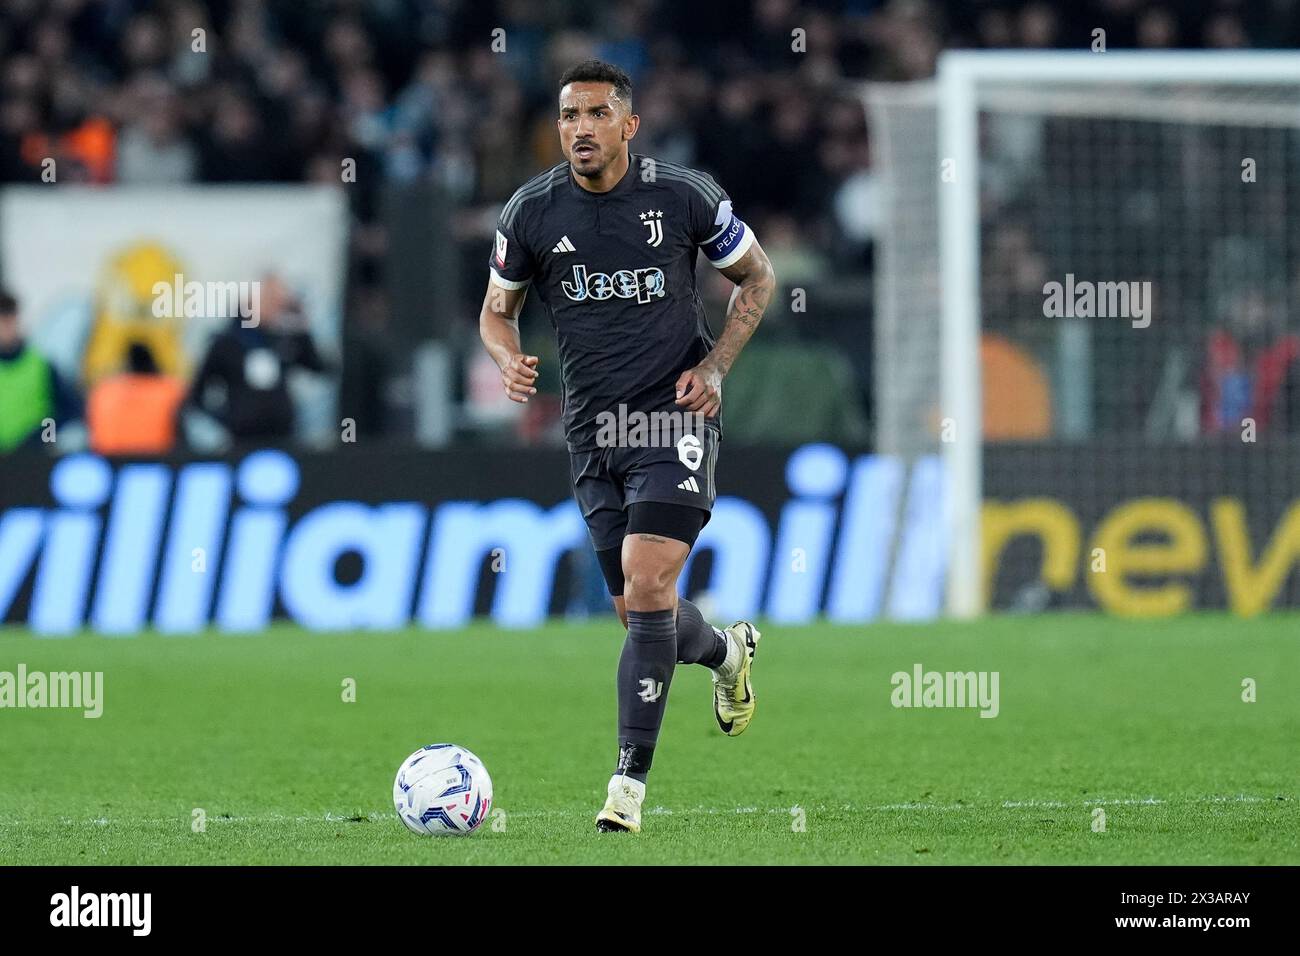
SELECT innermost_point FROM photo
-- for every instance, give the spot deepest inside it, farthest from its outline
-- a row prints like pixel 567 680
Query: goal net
pixel 1086 304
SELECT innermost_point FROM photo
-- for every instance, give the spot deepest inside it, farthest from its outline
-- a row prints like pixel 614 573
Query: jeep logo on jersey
pixel 639 284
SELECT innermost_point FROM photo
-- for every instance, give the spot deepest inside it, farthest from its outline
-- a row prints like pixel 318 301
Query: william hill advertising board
pixel 379 540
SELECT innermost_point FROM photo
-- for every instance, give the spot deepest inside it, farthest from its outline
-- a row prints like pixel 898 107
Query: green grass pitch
pixel 1144 719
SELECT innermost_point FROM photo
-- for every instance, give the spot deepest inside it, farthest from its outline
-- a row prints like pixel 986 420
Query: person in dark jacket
pixel 243 379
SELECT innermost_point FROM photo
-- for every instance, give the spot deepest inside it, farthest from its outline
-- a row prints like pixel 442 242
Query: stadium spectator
pixel 243 381
pixel 1251 369
pixel 153 149
pixel 32 392
pixel 134 412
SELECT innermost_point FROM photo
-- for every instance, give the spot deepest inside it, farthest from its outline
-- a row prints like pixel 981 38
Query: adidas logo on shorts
pixel 689 485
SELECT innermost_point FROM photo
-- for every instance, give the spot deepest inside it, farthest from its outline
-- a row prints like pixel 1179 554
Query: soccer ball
pixel 442 790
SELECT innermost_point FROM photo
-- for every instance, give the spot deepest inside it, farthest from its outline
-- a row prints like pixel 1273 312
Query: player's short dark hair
pixel 8 304
pixel 598 71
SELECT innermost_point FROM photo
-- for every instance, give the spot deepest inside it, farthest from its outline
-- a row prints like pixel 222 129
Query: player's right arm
pixel 498 326
pixel 510 267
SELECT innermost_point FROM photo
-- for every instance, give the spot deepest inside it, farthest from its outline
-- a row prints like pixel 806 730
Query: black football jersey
pixel 616 274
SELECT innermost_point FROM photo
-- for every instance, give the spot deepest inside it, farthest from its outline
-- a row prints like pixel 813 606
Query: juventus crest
pixel 653 220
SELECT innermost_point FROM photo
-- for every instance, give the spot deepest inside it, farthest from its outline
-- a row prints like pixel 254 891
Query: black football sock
pixel 698 641
pixel 645 671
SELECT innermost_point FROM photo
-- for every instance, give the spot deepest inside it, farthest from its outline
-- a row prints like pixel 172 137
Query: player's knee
pixel 647 587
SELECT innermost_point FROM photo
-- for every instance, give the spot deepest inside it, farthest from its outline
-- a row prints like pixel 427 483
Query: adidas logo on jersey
pixel 689 484
pixel 564 245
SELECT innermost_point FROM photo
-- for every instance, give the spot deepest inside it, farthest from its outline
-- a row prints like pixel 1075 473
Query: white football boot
pixel 622 812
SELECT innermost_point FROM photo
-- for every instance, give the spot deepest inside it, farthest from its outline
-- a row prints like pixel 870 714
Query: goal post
pixel 1080 110
pixel 959 328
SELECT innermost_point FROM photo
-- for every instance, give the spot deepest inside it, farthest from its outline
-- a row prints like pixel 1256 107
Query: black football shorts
pixel 608 481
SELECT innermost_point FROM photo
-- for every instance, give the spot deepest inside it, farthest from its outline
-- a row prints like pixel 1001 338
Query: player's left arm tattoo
pixel 755 284
pixel 700 389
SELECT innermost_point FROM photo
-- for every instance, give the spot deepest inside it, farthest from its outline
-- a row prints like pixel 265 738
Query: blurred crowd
pixel 238 395
pixel 461 94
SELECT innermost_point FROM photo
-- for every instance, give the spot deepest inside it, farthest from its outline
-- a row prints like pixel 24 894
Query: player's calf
pixel 698 641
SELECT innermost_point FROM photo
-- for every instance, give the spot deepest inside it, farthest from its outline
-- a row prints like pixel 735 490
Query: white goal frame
pixel 959 75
